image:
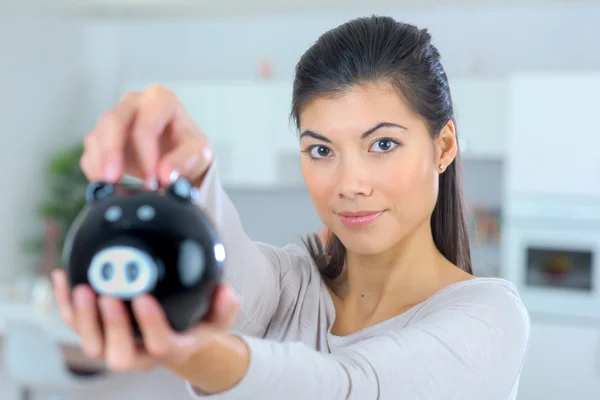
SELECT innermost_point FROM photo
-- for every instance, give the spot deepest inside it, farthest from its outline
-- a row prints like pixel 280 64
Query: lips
pixel 358 218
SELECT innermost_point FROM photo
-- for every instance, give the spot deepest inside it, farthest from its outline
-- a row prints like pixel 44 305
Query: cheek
pixel 319 184
pixel 409 180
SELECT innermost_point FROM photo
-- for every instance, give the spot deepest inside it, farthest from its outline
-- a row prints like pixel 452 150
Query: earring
pixel 442 167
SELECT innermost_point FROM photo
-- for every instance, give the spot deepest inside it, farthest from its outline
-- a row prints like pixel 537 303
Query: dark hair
pixel 382 50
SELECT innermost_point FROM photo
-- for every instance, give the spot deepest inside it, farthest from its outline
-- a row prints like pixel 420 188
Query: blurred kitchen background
pixel 525 77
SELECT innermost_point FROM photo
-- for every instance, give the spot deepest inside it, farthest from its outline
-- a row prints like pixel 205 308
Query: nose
pixel 353 180
pixel 122 271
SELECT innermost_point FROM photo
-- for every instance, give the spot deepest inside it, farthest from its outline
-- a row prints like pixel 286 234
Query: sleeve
pixel 253 269
pixel 468 350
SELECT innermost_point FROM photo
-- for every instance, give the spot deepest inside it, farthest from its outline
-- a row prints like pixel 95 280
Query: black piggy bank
pixel 130 241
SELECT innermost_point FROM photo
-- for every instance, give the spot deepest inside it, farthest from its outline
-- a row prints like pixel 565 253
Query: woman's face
pixel 371 167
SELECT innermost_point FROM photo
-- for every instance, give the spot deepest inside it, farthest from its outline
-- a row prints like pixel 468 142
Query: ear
pixel 446 146
pixel 98 190
pixel 181 188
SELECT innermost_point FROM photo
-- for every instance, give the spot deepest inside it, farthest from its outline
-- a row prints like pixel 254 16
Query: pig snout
pixel 123 272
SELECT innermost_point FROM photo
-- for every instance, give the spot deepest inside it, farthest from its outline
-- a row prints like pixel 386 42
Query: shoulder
pixel 468 341
pixel 479 286
pixel 488 298
pixel 481 326
pixel 485 293
pixel 291 252
pixel 290 258
pixel 304 307
pixel 488 311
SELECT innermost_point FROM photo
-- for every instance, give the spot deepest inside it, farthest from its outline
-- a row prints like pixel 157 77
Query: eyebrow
pixel 363 136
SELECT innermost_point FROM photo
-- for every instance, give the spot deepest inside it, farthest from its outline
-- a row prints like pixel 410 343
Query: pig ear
pixel 98 190
pixel 181 188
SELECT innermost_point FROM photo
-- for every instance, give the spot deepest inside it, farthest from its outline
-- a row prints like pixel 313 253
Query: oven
pixel 551 252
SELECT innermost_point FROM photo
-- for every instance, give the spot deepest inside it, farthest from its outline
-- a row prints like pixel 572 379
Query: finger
pixel 62 292
pixel 87 321
pixel 190 159
pixel 230 308
pixel 160 341
pixel 226 305
pixel 146 362
pixel 112 133
pixel 91 159
pixel 120 349
pixel 158 109
pixel 225 309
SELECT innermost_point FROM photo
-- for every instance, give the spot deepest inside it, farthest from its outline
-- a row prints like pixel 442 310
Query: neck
pixel 411 269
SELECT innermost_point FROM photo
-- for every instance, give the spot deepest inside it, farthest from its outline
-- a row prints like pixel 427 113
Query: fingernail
pixel 234 295
pixel 107 309
pixel 88 347
pixel 67 316
pixel 189 164
pixel 151 183
pixel 81 299
pixel 54 277
pixel 173 176
pixel 111 172
pixel 140 306
pixel 207 153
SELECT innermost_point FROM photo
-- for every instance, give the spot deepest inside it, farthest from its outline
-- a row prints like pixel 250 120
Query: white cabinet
pixel 553 135
pixel 282 127
pixel 235 118
pixel 480 106
pixel 563 362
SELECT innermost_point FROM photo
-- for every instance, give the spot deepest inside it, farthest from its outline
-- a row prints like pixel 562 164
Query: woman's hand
pixel 114 341
pixel 148 135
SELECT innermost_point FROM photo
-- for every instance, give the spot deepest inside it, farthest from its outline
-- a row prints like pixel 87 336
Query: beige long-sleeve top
pixel 466 342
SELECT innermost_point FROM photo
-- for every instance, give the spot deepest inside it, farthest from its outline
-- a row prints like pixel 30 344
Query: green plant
pixel 64 198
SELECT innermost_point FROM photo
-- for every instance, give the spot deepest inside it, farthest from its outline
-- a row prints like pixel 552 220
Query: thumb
pixel 190 159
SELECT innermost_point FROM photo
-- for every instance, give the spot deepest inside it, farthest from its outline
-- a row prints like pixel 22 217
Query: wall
pixel 39 106
pixel 505 40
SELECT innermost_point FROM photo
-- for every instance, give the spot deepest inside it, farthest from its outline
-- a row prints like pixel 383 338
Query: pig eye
pixel 146 213
pixel 113 214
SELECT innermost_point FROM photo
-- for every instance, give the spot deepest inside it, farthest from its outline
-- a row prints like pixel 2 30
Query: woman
pixel 389 308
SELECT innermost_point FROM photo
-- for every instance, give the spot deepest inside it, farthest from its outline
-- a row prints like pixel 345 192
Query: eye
pixel 384 145
pixel 113 214
pixel 318 151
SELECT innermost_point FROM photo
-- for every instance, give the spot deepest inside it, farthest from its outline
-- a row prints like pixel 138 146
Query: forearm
pixel 217 367
pixel 251 269
pixel 275 369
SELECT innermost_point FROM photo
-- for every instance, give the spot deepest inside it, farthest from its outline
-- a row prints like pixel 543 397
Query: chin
pixel 366 243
